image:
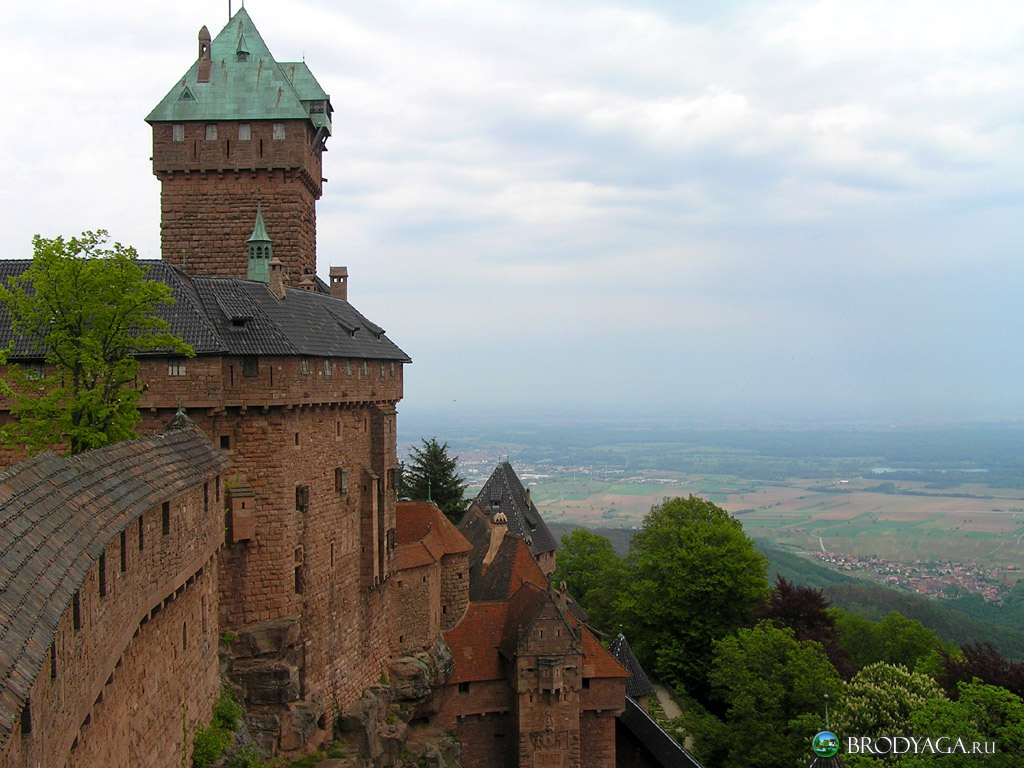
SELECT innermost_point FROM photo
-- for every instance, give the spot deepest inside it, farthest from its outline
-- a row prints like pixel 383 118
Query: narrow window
pixel 184 635
pixel 366 367
pixel 341 480
pixel 216 488
pixel 165 513
pixel 227 148
pixel 586 683
pixel 124 551
pixel 348 367
pixel 298 580
pixel 76 611
pixel 296 438
pixel 53 659
pixel 206 496
pixel 383 371
pixel 103 575
pixel 225 442
pixel 244 132
pixel 211 131
pixel 304 366
pixel 392 370
pixel 261 147
pixel 278 130
pixel 302 498
pixel 141 536
pixel 251 366
pixel 178 132
pixel 204 614
pixel 332 554
pixel 337 429
pixel 327 367
pixel 26 718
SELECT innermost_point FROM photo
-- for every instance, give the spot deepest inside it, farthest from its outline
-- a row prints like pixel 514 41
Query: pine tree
pixel 432 475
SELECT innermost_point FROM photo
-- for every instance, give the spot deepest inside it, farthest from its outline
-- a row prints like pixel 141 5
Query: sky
pixel 717 209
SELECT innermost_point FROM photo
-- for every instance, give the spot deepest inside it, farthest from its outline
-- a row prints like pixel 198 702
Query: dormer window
pixel 242 56
pixel 317 107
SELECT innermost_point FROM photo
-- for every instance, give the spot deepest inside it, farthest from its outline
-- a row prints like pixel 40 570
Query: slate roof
pixel 512 567
pixel 258 88
pixel 231 316
pixel 505 492
pixel 660 747
pixel 56 516
pixel 638 685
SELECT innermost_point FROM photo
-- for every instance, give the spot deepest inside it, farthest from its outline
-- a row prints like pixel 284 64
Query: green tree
pixel 772 687
pixel 432 475
pixel 880 699
pixel 893 640
pixel 982 713
pixel 582 559
pixel 87 310
pixel 692 576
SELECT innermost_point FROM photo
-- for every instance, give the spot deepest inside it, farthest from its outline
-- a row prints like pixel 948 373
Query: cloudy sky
pixel 713 208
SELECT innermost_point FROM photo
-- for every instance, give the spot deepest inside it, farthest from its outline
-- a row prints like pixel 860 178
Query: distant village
pixel 930 578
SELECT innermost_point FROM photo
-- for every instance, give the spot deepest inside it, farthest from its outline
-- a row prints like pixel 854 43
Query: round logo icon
pixel 825 744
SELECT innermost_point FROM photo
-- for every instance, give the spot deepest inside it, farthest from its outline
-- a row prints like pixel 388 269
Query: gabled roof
pixel 232 316
pixel 512 566
pixel 638 685
pixel 56 516
pixel 424 535
pixel 503 491
pixel 253 87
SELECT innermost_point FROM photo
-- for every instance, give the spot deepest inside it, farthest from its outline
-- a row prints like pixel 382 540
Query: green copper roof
pixel 253 87
pixel 259 232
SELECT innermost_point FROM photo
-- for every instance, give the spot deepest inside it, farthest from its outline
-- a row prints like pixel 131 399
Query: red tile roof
pixel 474 643
pixel 424 535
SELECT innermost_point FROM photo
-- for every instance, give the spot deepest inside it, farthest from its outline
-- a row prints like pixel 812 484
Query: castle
pixel 257 533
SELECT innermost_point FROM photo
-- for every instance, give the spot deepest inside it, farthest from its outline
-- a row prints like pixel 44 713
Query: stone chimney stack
pixel 339 282
pixel 527 497
pixel 499 526
pixel 306 283
pixel 205 63
pixel 277 278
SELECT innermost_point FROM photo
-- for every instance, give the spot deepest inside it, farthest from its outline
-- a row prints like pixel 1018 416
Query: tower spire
pixel 261 249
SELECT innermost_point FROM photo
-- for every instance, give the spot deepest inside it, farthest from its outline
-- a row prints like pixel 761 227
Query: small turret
pixel 205 62
pixel 261 250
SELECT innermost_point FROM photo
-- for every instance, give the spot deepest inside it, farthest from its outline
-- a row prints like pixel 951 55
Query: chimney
pixel 527 497
pixel 306 283
pixel 203 76
pixel 339 282
pixel 499 525
pixel 277 278
pixel 563 596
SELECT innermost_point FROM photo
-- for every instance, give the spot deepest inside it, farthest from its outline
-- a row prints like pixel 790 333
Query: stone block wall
pixel 129 669
pixel 487 740
pixel 210 187
pixel 597 740
pixel 454 589
pixel 417 605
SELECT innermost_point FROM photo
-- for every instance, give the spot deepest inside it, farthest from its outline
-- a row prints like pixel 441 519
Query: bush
pixel 226 712
pixel 247 757
pixel 209 746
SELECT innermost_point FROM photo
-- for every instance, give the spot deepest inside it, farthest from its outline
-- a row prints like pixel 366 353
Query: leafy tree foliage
pixel 983 713
pixel 983 662
pixel 582 559
pixel 880 699
pixel 805 611
pixel 893 640
pixel 772 687
pixel 692 576
pixel 90 310
pixel 433 474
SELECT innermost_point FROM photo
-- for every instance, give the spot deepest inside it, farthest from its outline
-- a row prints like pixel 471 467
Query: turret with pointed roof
pixel 236 127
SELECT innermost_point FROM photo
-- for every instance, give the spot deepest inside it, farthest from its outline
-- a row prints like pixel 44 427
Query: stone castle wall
pixel 130 669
